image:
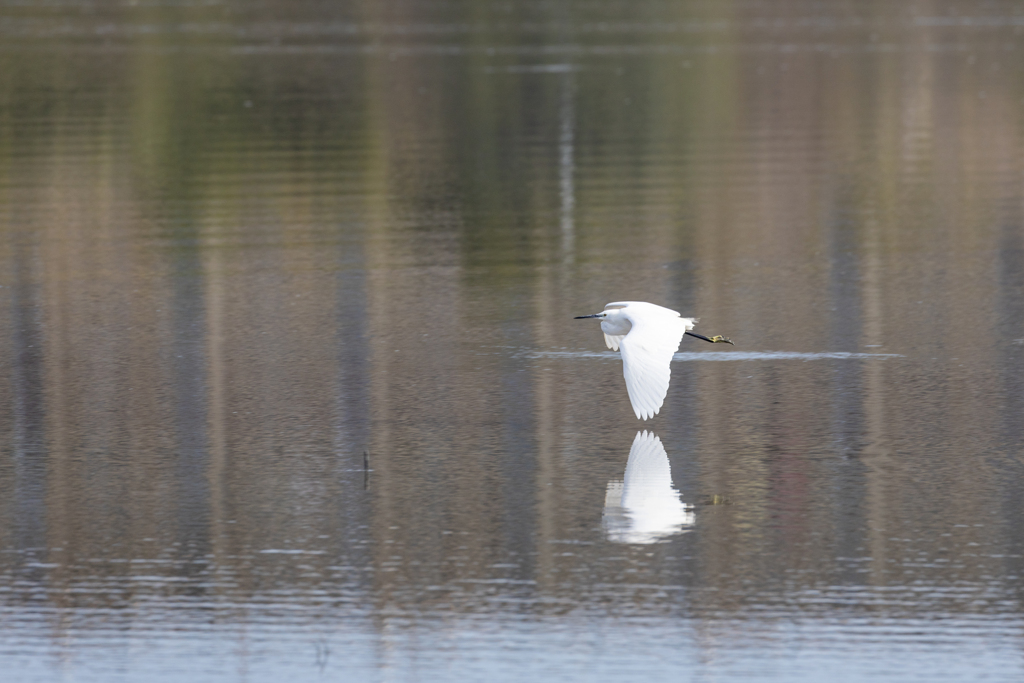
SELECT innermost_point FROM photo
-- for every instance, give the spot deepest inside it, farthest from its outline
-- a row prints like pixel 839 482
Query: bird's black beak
pixel 581 317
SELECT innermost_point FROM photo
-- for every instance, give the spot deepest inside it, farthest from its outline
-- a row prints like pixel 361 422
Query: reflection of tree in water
pixel 644 507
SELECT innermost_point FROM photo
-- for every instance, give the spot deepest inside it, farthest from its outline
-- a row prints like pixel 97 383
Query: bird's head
pixel 613 319
pixel 611 310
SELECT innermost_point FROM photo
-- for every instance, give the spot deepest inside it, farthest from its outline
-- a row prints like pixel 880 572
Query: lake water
pixel 291 389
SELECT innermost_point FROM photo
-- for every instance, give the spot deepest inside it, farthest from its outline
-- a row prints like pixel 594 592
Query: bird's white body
pixel 648 336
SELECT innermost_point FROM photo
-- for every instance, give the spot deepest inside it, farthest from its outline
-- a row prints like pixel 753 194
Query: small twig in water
pixel 366 470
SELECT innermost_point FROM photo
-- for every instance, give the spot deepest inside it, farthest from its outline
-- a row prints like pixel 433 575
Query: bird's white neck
pixel 615 324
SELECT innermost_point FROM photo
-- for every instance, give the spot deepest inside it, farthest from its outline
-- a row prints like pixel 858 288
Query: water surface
pixel 291 387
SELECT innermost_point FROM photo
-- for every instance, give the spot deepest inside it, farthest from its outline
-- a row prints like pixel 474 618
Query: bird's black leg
pixel 717 339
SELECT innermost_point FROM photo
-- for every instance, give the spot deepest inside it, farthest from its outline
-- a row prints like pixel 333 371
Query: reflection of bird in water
pixel 644 507
pixel 648 336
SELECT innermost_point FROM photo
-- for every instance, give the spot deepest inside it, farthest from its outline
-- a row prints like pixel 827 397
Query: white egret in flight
pixel 648 336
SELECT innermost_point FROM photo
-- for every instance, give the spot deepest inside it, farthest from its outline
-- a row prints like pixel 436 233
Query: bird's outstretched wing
pixel 612 341
pixel 646 357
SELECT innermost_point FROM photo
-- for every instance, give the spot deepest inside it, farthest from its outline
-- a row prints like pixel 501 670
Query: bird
pixel 647 336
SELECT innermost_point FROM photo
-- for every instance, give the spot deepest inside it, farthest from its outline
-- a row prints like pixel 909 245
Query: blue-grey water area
pixel 291 388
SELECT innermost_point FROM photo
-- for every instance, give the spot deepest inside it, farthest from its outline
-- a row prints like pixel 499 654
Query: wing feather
pixel 613 341
pixel 647 356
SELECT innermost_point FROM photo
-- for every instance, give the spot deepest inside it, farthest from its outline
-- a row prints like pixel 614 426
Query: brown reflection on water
pixel 232 265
